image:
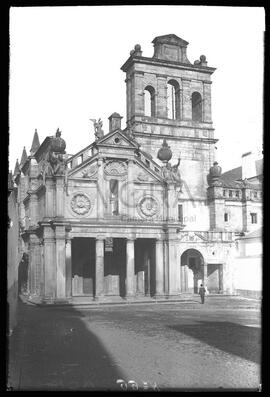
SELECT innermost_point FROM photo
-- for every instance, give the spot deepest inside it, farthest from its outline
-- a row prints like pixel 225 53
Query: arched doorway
pixel 192 270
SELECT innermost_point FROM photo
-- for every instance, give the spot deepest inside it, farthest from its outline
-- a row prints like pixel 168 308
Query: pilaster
pixel 207 112
pixel 68 268
pixel 138 91
pixel 161 97
pixel 60 247
pixel 186 100
pixel 60 196
pixel 49 263
pixel 100 190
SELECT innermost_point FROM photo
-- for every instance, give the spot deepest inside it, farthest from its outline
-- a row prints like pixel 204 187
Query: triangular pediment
pixel 143 174
pixel 87 170
pixel 117 139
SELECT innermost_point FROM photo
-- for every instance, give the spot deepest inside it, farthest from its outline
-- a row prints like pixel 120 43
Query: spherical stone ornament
pixel 148 206
pixel 164 154
pixel 80 204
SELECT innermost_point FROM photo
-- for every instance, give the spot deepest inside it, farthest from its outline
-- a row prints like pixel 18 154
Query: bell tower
pixel 168 97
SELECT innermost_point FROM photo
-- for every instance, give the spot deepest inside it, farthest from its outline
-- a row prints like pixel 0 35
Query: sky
pixel 65 69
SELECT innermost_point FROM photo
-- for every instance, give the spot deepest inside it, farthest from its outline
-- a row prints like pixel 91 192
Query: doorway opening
pixel 192 268
pixel 83 266
pixel 115 267
pixel 145 267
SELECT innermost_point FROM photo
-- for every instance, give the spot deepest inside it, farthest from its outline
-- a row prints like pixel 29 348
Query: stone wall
pixel 13 261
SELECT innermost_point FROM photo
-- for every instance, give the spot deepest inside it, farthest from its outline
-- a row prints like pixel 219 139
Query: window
pixel 114 196
pixel 180 213
pixel 196 100
pixel 255 194
pixel 237 193
pixel 226 217
pixel 147 163
pixel 149 101
pixel 224 192
pixel 253 217
pixel 230 193
pixel 173 100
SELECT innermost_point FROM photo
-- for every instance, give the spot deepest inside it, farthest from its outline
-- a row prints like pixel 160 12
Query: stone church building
pixel 143 211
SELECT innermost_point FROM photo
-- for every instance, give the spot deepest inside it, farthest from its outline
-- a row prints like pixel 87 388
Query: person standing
pixel 202 292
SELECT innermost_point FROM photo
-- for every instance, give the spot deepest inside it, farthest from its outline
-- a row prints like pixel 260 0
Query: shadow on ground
pixel 52 350
pixel 243 341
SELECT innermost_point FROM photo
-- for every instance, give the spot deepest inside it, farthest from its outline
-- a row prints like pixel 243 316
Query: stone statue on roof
pixel 99 133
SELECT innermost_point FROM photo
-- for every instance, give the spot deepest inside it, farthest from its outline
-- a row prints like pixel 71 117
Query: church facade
pixel 143 211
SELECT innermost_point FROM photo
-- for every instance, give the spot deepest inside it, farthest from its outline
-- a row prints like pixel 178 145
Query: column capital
pixel 129 239
pixel 100 238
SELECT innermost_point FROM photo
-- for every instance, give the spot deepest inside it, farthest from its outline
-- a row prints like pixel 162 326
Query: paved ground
pixel 170 346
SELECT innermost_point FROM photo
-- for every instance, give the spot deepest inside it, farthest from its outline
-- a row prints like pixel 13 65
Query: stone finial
pixel 137 51
pixel 201 62
pixel 35 143
pixel 17 168
pixel 164 154
pixel 24 157
pixel 213 178
pixel 58 144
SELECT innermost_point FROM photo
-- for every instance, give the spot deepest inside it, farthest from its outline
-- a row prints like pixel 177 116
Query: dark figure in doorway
pixel 202 292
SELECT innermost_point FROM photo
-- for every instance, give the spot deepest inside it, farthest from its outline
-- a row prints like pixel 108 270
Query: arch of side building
pixel 192 266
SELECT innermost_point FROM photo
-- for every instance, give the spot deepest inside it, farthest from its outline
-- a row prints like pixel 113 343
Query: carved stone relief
pixel 80 204
pixel 89 172
pixel 148 206
pixel 115 168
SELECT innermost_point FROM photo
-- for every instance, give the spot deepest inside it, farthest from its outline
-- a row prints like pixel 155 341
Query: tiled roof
pixel 255 234
pixel 233 178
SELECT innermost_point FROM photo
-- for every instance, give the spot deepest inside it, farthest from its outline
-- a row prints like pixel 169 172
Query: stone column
pixel 146 266
pixel 99 291
pixel 159 268
pixel 166 266
pixel 161 106
pixel 130 290
pixel 186 100
pixel 68 268
pixel 60 246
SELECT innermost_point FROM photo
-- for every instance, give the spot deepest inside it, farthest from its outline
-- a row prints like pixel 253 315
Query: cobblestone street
pixel 172 346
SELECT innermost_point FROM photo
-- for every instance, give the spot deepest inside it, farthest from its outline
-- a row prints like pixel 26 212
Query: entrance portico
pixel 128 268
